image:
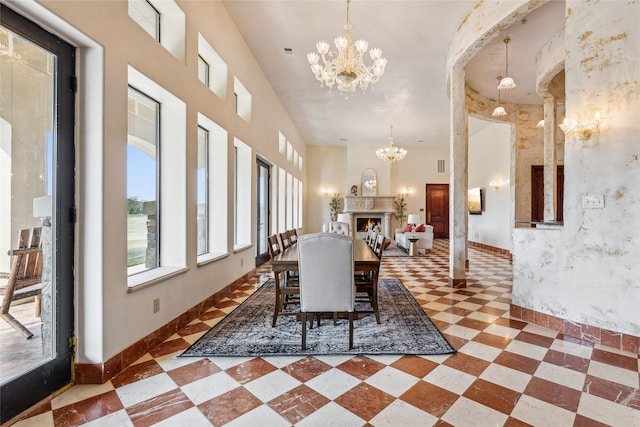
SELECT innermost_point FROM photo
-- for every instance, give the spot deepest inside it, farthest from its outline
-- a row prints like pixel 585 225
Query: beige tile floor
pixel 505 373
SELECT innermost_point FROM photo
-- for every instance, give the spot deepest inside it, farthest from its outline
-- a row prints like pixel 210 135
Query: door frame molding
pixel 41 382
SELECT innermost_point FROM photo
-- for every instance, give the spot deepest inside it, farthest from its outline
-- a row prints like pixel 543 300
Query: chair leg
pixel 350 330
pixel 16 325
pixel 304 330
pixel 278 306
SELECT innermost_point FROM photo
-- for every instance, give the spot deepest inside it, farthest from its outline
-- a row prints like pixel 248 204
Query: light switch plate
pixel 593 202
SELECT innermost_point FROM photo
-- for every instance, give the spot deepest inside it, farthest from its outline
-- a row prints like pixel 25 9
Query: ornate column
pixel 550 160
pixel 459 180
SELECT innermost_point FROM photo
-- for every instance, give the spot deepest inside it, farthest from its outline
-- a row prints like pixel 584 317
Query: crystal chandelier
pixel 507 82
pixel 346 67
pixel 391 153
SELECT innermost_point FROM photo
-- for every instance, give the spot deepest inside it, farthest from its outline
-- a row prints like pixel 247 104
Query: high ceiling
pixel 414 37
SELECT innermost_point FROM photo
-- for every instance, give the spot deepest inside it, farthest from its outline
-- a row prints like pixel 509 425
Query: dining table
pixel 365 261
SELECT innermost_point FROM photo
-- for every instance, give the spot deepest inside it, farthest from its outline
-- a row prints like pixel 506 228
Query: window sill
pixel 152 277
pixel 209 258
pixel 241 247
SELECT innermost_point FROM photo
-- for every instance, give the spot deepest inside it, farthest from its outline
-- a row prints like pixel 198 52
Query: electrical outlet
pixel 156 305
pixel 593 202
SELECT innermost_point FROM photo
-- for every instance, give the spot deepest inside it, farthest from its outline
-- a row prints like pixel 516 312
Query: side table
pixel 413 248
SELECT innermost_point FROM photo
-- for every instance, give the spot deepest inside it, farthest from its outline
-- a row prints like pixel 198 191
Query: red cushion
pixel 420 228
pixel 407 228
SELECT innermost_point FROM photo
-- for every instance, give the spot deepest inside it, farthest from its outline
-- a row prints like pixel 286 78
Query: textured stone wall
pixel 587 271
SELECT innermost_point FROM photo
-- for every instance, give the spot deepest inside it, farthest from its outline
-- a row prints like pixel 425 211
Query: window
pixel 242 100
pixel 156 181
pixel 142 182
pixel 216 68
pixel 282 143
pixel 203 70
pixel 202 191
pixel 164 21
pixel 242 188
pixel 282 200
pixel 146 16
pixel 211 183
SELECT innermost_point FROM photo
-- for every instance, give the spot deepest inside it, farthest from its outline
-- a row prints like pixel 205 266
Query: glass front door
pixel 262 218
pixel 36 212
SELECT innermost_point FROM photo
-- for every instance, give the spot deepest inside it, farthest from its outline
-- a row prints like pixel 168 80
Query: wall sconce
pixel 496 185
pixel 582 128
pixel 325 192
pixel 540 124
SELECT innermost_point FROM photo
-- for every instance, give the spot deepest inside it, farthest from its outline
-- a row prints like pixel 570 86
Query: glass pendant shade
pixel 499 111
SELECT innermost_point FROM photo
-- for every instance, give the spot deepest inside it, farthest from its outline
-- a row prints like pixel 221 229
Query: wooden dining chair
pixel 284 239
pixel 288 292
pixel 326 278
pixel 367 282
pixel 293 236
pixel 25 278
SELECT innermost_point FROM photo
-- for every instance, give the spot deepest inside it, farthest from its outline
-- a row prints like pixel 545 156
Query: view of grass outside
pixel 136 239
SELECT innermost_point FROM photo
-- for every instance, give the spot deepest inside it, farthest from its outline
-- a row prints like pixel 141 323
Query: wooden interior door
pixel 437 207
pixel 537 192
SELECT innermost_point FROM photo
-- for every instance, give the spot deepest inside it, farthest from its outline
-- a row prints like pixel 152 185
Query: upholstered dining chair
pixel 325 263
pixel 337 227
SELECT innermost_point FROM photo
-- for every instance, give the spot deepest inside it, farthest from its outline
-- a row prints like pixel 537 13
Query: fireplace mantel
pixel 356 206
pixel 359 204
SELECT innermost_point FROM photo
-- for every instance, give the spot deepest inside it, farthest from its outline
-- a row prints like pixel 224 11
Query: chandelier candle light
pixel 346 67
pixel 391 153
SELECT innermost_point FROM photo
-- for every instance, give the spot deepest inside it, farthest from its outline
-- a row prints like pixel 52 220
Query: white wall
pixel 490 160
pixel 108 317
pixel 588 270
pixel 338 168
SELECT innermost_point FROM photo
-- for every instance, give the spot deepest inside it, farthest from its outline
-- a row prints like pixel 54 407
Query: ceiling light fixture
pixel 507 82
pixel 499 111
pixel 346 67
pixel 392 153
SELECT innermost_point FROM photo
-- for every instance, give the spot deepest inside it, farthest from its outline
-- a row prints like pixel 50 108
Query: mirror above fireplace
pixel 369 183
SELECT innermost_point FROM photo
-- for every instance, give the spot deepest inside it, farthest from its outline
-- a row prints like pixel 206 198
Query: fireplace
pixel 365 223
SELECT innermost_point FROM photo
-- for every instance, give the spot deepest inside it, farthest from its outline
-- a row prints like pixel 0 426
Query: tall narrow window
pixel 142 182
pixel 146 16
pixel 203 70
pixel 202 185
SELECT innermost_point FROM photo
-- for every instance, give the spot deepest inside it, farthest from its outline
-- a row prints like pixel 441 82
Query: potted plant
pixel 401 208
pixel 335 204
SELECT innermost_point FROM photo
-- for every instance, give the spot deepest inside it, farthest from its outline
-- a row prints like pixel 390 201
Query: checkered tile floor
pixel 506 372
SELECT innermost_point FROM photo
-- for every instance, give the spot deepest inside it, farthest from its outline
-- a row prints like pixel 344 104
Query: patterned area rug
pixel 394 250
pixel 247 331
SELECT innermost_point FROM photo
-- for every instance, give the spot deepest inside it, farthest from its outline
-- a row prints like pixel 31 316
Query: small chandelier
pixel 391 153
pixel 346 67
pixel 499 111
pixel 507 82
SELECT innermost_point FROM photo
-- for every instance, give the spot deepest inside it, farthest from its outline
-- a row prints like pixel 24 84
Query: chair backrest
pixel 379 246
pixel 274 246
pixel 284 238
pixel 336 227
pixel 26 265
pixel 325 262
pixel 293 236
pixel 371 237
